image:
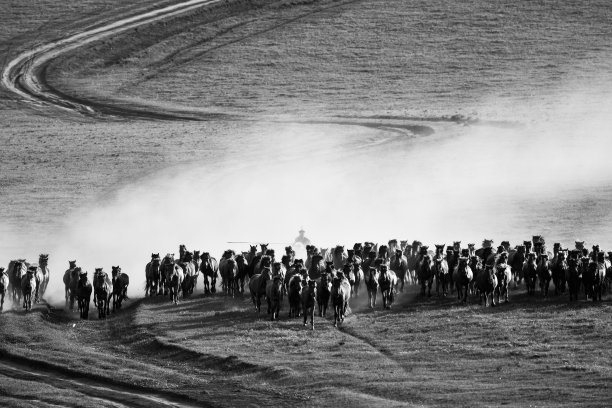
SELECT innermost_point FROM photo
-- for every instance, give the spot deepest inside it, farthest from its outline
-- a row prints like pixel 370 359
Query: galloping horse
pixel 174 277
pixel 82 293
pixel 190 274
pixel 257 286
pixel 4 284
pixel 341 292
pixel 387 282
pixel 120 282
pixel 574 278
pixel 309 302
pixel 463 275
pixel 503 273
pixel 229 276
pixel 544 274
pixel 210 269
pixel 530 272
pixel 153 275
pixel 371 281
pixel 74 282
pixel 274 295
pixel 102 286
pixel 42 275
pixel 425 271
pixel 295 295
pixel 66 279
pixel 16 271
pixel 399 265
pixel 243 271
pixel 28 287
pixel 442 275
pixel 486 283
pixel 338 257
pixel 559 271
pixel 324 293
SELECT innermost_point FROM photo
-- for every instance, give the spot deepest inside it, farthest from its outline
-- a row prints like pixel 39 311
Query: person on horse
pixel 302 239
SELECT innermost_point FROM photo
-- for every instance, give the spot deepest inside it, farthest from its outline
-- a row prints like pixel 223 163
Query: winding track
pixel 21 76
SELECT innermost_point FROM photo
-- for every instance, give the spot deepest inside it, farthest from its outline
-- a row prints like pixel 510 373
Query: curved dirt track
pixel 24 74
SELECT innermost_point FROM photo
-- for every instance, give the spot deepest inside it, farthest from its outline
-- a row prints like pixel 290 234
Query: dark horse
pixel 83 293
pixel 210 269
pixel 120 285
pixel 153 275
pixel 425 271
pixel 102 293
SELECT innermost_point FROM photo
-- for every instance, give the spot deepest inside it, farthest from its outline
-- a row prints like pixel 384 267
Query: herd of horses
pixel 336 275
pixel 78 287
pixel 22 280
pixel 333 275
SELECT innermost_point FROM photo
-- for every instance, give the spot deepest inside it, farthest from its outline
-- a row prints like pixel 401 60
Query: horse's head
pixel 72 264
pixel 351 253
pixel 486 243
pixel 403 244
pixel 544 259
pixel 503 257
pixel 357 247
pixel 205 256
pixel 556 247
pixel 398 254
pixel 463 262
pixel 81 274
pixel 520 249
pixel 276 267
pixel 537 238
pixel 347 268
pixel 440 249
pixel 475 262
pixel 423 250
pixel 240 259
pixel 43 259
pixel 561 255
pixel 472 247
pixel 339 250
pixel 298 263
pixel 383 250
pixel 579 245
pixel 31 271
pixel 596 248
pixel 168 259
pixel 457 245
pixel 264 248
pixel 253 249
pixel 266 261
pixel 270 253
pixel 601 257
pixel 289 250
pixel 309 249
pixel 506 245
pixel 115 270
pixel 312 285
pixel 196 255
pixel 416 245
pixel 367 248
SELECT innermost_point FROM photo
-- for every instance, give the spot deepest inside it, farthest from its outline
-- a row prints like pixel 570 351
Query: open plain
pixel 358 120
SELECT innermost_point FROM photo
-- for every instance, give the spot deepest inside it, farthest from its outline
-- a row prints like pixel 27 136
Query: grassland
pixel 215 351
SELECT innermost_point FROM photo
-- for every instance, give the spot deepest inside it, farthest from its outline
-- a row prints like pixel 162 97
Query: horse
pixel 441 274
pixel 596 277
pixel 102 293
pixel 387 282
pixel 516 259
pixel 463 275
pixel 559 271
pixel 210 269
pixel 324 293
pixel 243 267
pixel 399 265
pixel 486 283
pixel 309 295
pixel 544 274
pixel 28 287
pixel 530 272
pixel 229 274
pixel 587 275
pixel 153 276
pixel 358 274
pixel 182 252
pixel 317 267
pixel 274 295
pixel 17 269
pixel 425 273
pixel 341 292
pixel 73 283
pixel 189 278
pixel 120 283
pixel 42 276
pixel 83 294
pixel 574 278
pixel 257 287
pixel 503 272
pixel 66 279
pixel 477 270
pixel 338 257
pixel 452 260
pixel 4 284
pixel 174 277
pixel 371 281
pixel 295 295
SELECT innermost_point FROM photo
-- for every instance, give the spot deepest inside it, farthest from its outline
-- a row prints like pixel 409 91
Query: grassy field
pixel 424 352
